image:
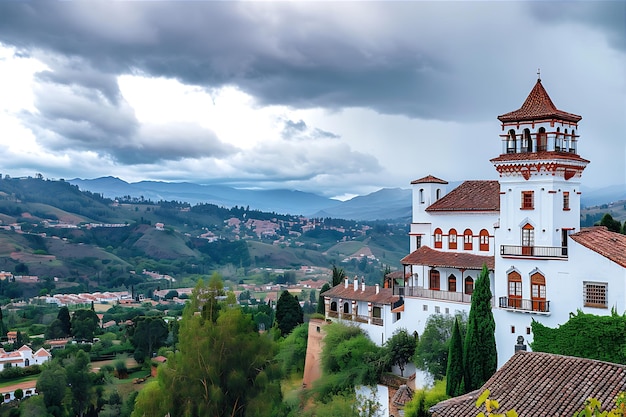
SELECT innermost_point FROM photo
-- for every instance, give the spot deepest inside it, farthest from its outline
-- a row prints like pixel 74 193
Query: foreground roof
pixel 538 106
pixel 470 196
pixel 599 239
pixel 543 384
pixel 424 255
pixel 384 295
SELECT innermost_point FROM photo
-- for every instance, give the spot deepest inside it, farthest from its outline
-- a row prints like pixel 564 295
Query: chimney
pixel 356 283
pixel 377 288
pixel 346 283
pixel 362 284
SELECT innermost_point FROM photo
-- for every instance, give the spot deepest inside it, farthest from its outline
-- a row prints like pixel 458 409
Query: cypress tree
pixel 480 354
pixel 320 301
pixel 454 373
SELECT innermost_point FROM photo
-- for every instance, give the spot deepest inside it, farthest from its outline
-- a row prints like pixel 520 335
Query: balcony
pixel 534 251
pixel 453 296
pixel 525 306
pixel 355 317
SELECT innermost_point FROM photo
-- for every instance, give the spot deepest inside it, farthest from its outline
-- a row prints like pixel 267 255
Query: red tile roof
pixel 429 179
pixel 384 296
pixel 440 259
pixel 470 196
pixel 526 156
pixel 599 239
pixel 538 106
pixel 543 384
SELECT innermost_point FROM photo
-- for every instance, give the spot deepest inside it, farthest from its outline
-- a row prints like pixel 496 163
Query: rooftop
pixel 440 259
pixel 483 195
pixel 538 106
pixel 599 239
pixel 384 295
pixel 429 179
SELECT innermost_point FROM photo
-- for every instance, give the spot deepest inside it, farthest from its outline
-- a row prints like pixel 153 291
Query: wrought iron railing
pixel 534 251
pixel 453 296
pixel 522 304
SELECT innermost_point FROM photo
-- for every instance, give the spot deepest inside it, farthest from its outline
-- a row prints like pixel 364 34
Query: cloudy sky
pixel 337 98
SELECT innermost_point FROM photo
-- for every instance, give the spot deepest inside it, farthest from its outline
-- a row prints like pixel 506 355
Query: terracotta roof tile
pixel 599 239
pixel 470 196
pixel 429 179
pixel 529 156
pixel 402 396
pixel 543 384
pixel 431 257
pixel 538 106
pixel 384 296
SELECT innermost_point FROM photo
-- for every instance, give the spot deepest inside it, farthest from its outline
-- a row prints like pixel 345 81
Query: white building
pixel 24 357
pixel 525 227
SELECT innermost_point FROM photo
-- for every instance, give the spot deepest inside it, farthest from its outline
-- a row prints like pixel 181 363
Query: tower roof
pixel 538 106
pixel 429 179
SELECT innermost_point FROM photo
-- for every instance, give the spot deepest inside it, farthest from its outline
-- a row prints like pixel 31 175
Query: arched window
pixel 527 143
pixel 511 145
pixel 452 239
pixel 484 240
pixel 346 308
pixel 572 146
pixel 421 196
pixel 528 239
pixel 438 193
pixel 542 139
pixel 538 292
pixel 438 236
pixel 469 286
pixel 333 306
pixel 434 280
pixel 515 289
pixel 558 143
pixel 566 141
pixel 467 239
pixel 452 283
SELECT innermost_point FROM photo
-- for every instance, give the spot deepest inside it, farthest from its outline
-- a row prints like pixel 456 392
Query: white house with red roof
pixel 525 228
pixel 24 357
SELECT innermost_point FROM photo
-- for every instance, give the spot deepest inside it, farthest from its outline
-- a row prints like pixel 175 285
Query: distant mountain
pixel 595 197
pixel 279 201
pixel 384 204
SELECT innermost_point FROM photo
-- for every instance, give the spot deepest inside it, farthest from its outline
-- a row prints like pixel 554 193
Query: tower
pixel 426 191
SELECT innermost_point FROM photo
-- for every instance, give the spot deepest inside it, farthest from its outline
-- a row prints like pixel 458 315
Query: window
pixel 538 292
pixel 433 280
pixel 559 140
pixel 528 200
pixel 515 289
pixel 377 312
pixel 527 143
pixel 452 283
pixel 421 196
pixel 438 193
pixel 528 239
pixel 425 307
pixel 565 200
pixel 452 239
pixel 528 330
pixel 484 240
pixel 511 146
pixel 398 316
pixel 333 306
pixel 469 286
pixel 594 294
pixel 418 242
pixel 467 239
pixel 346 308
pixel 542 139
pixel 512 329
pixel 447 310
pixel 438 235
pixel 437 309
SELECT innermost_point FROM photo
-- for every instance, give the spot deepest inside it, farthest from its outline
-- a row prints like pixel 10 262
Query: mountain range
pixel 384 204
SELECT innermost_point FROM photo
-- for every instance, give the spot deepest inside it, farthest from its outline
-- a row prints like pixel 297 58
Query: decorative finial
pixel 538 74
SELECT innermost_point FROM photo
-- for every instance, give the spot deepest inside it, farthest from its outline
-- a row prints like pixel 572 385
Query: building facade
pixel 525 228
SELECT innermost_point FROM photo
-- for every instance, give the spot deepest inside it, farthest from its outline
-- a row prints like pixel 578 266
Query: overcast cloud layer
pixel 336 98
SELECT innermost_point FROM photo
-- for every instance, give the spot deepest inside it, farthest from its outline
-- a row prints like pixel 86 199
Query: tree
pixel 292 353
pixel 18 394
pixel 338 275
pixel 480 354
pixel 149 333
pixel 610 223
pixel 84 324
pixel 52 385
pixel 320 301
pixel 288 313
pixel 454 372
pixel 64 317
pixel 78 372
pixel 431 354
pixel 400 348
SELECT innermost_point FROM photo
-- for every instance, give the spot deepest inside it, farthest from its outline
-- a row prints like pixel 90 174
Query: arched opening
pixel 528 239
pixel 558 141
pixel 572 145
pixel 452 239
pixel 511 145
pixel 565 141
pixel 421 195
pixel 452 283
pixel 333 306
pixel 469 286
pixel 467 239
pixel 434 280
pixel 527 143
pixel 346 308
pixel 26 362
pixel 484 240
pixel 515 290
pixel 538 292
pixel 542 140
pixel 437 237
pixel 438 193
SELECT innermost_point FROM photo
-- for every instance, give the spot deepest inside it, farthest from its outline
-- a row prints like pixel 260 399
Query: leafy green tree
pixel 148 334
pixel 55 330
pixel 288 313
pixel 78 372
pixel 292 352
pixel 34 407
pixel 431 354
pixel 610 223
pixel 52 385
pixel 320 300
pixel 400 348
pixel 454 373
pixel 84 324
pixel 338 275
pixel 479 353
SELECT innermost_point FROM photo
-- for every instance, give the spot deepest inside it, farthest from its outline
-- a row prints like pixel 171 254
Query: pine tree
pixel 480 354
pixel 454 373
